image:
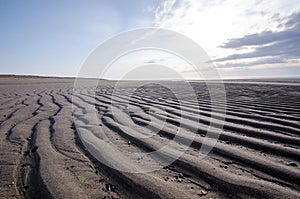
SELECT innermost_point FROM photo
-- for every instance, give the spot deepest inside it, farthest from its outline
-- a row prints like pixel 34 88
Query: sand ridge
pixel 42 156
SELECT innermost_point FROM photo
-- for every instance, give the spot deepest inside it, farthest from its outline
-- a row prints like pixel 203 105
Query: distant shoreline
pixel 234 80
pixel 32 76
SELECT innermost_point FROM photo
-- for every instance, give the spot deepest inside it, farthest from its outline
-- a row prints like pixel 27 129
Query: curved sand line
pixel 42 156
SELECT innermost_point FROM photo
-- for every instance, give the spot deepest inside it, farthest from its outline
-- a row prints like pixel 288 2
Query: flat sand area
pixel 43 155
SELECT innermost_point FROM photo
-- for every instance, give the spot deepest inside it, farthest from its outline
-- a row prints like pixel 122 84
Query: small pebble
pixel 179 180
pixel 202 193
pixel 180 175
pixel 107 187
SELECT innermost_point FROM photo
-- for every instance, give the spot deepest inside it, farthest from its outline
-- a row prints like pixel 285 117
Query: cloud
pixel 237 36
pixel 292 20
pixel 270 28
pixel 284 44
pixel 259 61
pixel 152 61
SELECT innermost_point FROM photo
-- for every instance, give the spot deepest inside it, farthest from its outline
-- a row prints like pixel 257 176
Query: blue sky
pixel 253 38
pixel 54 37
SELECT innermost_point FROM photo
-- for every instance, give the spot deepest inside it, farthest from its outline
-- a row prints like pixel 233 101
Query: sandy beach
pixel 42 154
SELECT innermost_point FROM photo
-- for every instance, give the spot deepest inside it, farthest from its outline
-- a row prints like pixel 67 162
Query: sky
pixel 244 39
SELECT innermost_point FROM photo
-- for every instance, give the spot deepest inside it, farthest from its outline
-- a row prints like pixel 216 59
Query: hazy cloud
pixel 152 61
pixel 272 60
pixel 283 44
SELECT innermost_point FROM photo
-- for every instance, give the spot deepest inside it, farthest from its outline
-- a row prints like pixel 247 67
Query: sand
pixel 43 154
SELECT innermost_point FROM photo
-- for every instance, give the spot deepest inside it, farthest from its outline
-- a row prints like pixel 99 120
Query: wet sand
pixel 42 155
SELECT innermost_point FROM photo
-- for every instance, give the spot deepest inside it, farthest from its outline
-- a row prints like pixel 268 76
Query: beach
pixel 50 147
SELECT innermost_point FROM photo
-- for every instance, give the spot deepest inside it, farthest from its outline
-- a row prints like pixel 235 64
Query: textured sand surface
pixel 42 155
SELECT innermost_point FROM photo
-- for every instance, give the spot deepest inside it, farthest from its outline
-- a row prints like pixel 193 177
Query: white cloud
pixel 212 23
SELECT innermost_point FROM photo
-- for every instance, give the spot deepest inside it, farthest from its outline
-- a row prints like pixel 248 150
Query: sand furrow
pixel 270 167
pixel 252 131
pixel 60 142
pixel 153 146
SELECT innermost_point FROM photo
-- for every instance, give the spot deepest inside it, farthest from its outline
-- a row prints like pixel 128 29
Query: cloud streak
pixel 284 44
pixel 261 61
